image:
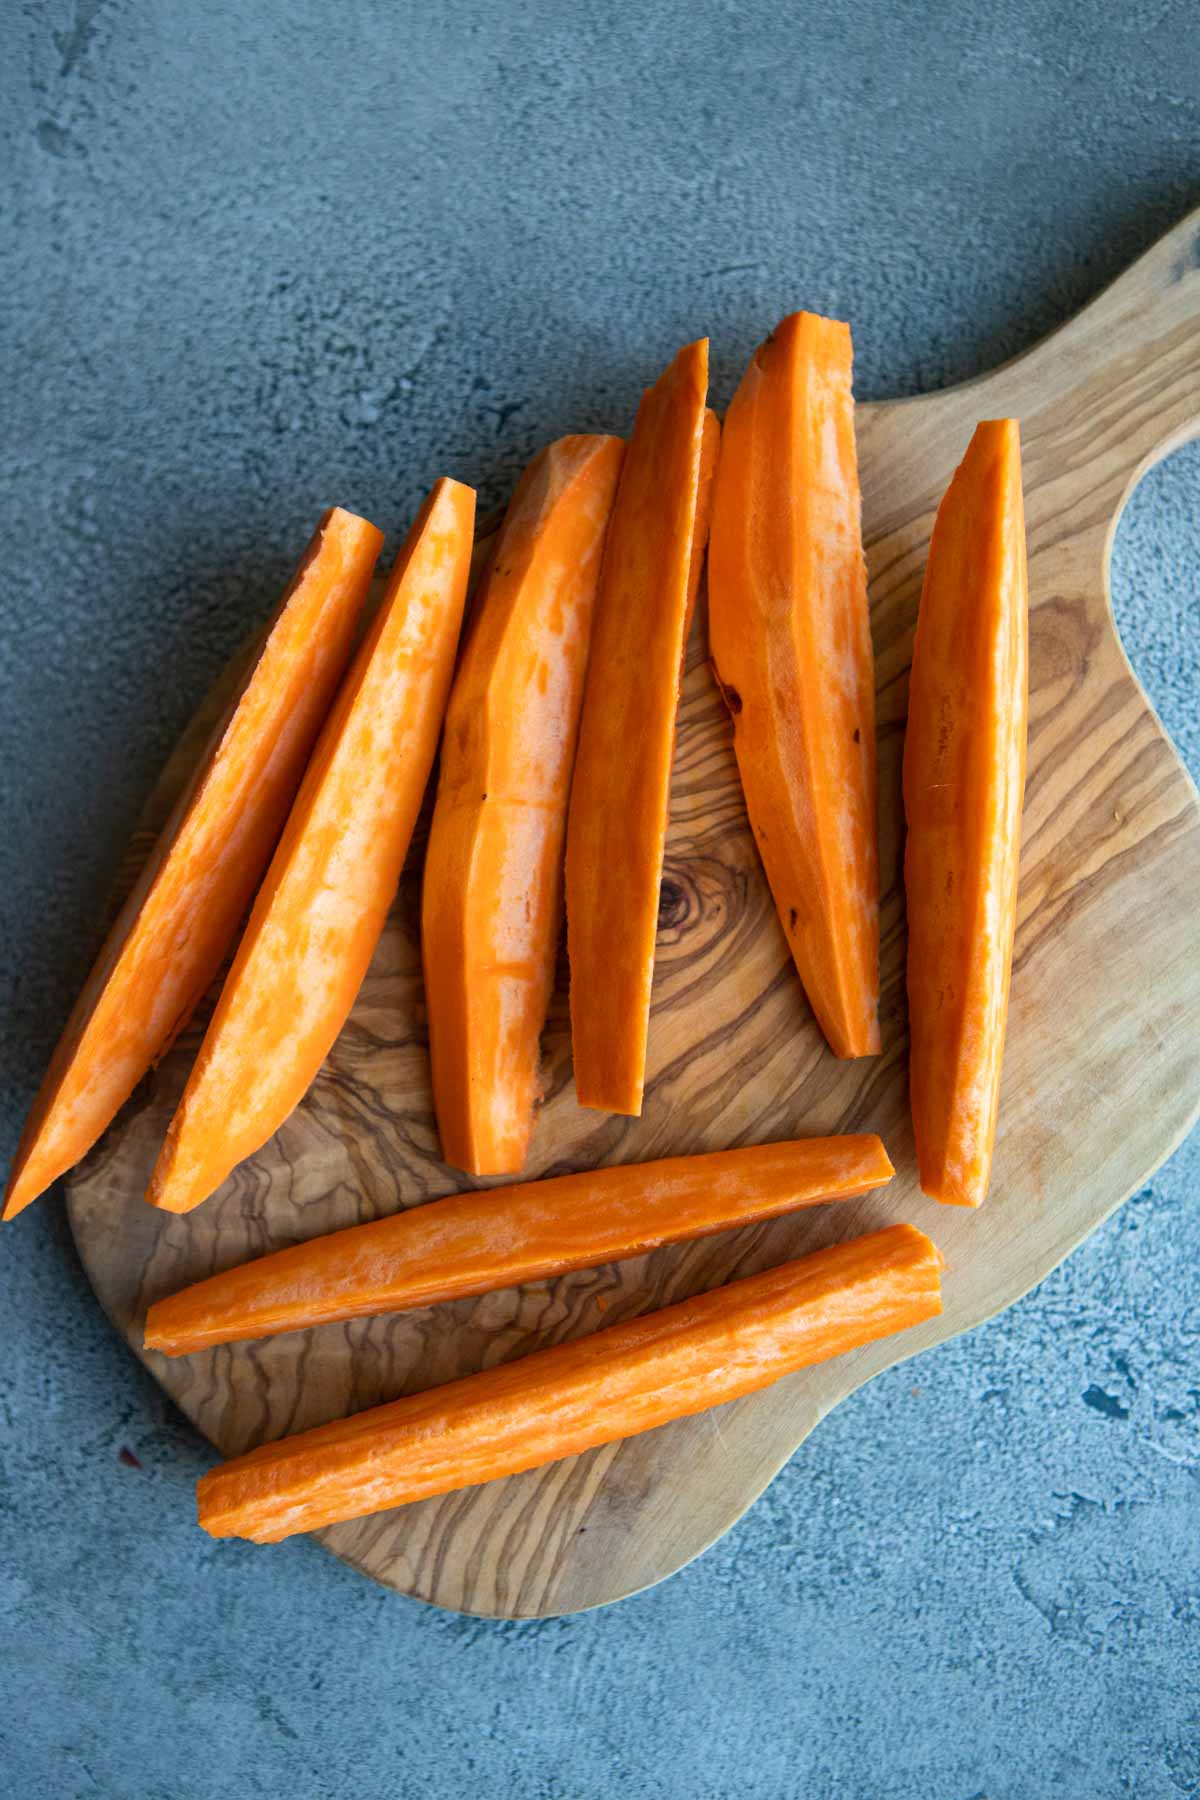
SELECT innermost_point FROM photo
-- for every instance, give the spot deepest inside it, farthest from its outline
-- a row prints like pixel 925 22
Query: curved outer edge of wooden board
pixel 1181 249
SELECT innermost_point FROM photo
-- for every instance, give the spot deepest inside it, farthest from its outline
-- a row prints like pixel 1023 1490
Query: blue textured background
pixel 262 257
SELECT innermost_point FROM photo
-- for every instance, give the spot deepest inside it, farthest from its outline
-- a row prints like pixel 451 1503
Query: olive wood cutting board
pixel 1101 1078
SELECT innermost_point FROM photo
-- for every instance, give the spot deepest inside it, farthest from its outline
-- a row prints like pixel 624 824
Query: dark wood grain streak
pixel 1102 1076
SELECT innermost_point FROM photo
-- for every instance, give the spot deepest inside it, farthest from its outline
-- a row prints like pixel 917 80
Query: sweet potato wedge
pixel 322 906
pixel 175 927
pixel 614 1384
pixel 964 784
pixel 791 644
pixel 492 895
pixel 617 825
pixel 472 1243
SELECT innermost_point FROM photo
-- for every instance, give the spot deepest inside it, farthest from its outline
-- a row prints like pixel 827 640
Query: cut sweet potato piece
pixel 791 644
pixel 614 1384
pixel 322 906
pixel 964 783
pixel 617 825
pixel 174 929
pixel 474 1242
pixel 492 895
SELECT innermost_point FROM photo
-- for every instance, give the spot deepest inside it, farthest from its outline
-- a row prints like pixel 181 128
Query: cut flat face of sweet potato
pixel 791 644
pixel 177 924
pixel 322 906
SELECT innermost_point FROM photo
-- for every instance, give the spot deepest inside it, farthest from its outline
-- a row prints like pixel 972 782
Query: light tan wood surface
pixel 1101 1081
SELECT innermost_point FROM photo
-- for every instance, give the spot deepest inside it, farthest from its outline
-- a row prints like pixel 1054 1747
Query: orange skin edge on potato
pixel 322 907
pixel 171 935
pixel 617 823
pixel 790 635
pixel 964 786
pixel 492 896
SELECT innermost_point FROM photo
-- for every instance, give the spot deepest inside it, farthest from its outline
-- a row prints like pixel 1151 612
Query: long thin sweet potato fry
pixel 617 826
pixel 178 922
pixel 614 1384
pixel 492 895
pixel 474 1242
pixel 791 642
pixel 964 782
pixel 325 898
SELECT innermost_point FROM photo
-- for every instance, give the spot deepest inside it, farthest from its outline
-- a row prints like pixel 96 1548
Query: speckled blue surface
pixel 262 257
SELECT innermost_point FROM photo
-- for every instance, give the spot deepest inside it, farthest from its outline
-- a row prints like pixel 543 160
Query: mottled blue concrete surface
pixel 261 257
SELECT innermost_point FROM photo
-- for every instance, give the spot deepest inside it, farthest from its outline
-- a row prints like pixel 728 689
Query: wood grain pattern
pixel 1102 1077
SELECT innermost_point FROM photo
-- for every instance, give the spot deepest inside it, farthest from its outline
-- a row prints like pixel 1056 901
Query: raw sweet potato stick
pixel 474 1242
pixel 491 913
pixel 791 643
pixel 964 782
pixel 620 1381
pixel 617 825
pixel 178 922
pixel 322 906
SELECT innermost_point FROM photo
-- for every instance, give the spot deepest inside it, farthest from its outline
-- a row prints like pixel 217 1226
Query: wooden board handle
pixel 1129 366
pixel 1109 394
